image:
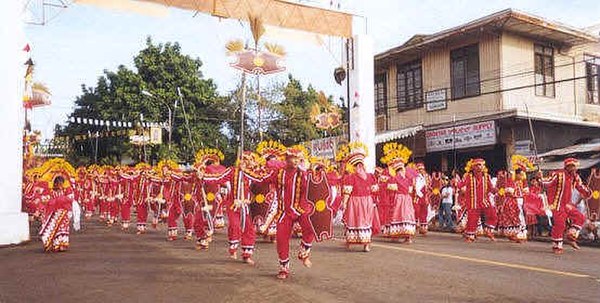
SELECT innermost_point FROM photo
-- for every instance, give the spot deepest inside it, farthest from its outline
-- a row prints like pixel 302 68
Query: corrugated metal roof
pixel 573 150
pixel 554 165
pixel 507 20
pixel 397 134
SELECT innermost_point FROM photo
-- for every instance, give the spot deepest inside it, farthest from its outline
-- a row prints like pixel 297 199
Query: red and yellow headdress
pixel 172 165
pixel 298 150
pixel 521 162
pixel 94 168
pixel 253 164
pixel 571 161
pixel 142 166
pixel 271 148
pixel 473 162
pixel 393 153
pixel 207 154
pixel 352 154
pixel 54 168
pixel 320 162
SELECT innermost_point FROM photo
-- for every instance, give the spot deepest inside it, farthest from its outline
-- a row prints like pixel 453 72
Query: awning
pixel 397 134
pixel 280 13
pixel 591 147
pixel 554 165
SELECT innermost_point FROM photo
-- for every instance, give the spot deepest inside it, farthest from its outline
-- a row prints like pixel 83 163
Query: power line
pixel 423 102
pixel 447 84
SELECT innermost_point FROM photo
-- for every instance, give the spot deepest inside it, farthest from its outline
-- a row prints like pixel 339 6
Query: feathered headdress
pixel 299 151
pixel 321 162
pixel 142 166
pixel 394 152
pixel 352 154
pixel 271 148
pixel 521 162
pixel 172 165
pixel 54 168
pixel 253 164
pixel 206 154
pixel 469 166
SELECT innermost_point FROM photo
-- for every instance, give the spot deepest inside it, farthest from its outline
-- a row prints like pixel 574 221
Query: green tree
pixel 293 123
pixel 199 113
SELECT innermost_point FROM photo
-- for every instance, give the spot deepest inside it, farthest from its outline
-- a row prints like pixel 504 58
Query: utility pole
pixel 170 118
pixel 242 110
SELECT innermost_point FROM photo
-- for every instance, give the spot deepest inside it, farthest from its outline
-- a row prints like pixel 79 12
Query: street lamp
pixel 149 94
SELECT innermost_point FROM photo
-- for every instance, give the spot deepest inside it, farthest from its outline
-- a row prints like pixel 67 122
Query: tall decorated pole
pixel 14 226
pixel 359 56
pixel 255 61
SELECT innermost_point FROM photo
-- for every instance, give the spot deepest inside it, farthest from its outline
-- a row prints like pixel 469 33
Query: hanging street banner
pixel 461 136
pixel 155 135
pixel 325 147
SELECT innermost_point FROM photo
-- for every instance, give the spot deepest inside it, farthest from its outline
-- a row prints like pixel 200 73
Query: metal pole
pixel 348 41
pixel 96 150
pixel 454 140
pixel 187 122
pixel 535 153
pixel 260 134
pixel 170 127
pixel 242 109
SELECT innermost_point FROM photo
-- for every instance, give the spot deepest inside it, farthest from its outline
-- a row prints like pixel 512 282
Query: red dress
pixel 54 232
pixel 402 221
pixel 360 217
pixel 511 220
pixel 534 205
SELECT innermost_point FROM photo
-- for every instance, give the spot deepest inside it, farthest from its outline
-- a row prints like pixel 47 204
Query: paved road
pixel 108 265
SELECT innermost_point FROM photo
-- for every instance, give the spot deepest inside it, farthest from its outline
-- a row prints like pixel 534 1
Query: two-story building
pixel 507 83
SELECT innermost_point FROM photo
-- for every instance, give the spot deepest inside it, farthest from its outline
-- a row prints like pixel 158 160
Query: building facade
pixel 507 83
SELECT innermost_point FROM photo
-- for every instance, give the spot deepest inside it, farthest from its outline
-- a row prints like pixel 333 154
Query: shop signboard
pixel 436 100
pixel 461 136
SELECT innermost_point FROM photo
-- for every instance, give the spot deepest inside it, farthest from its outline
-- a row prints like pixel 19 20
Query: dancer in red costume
pixel 511 218
pixel 293 207
pixel 560 187
pixel 240 229
pixel 360 216
pixel 130 185
pixel 477 187
pixel 397 182
pixel 57 205
pixel 422 197
pixel 208 197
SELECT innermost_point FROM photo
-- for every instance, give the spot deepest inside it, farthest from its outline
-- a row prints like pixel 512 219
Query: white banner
pixel 325 147
pixel 461 136
pixel 436 100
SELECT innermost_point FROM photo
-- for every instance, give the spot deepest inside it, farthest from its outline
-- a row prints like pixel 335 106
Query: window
pixel 409 86
pixel 592 71
pixel 544 70
pixel 465 72
pixel 380 95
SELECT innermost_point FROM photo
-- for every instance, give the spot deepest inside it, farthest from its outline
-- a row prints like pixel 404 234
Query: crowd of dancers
pixel 278 191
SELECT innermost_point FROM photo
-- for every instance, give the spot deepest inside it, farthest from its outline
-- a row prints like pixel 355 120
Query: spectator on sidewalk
pixel 445 212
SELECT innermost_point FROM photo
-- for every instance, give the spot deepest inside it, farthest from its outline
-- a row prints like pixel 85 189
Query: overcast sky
pixel 75 47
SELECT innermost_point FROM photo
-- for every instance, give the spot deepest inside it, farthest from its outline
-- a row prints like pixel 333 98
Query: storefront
pixel 494 138
pixel 452 147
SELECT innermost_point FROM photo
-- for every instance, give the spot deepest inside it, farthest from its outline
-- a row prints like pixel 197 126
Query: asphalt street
pixel 108 265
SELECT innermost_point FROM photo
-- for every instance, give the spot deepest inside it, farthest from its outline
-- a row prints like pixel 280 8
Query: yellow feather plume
pixel 234 46
pixel 275 49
